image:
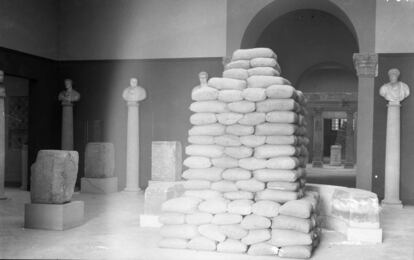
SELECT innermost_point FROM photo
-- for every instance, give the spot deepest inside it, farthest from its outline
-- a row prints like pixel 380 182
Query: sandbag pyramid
pixel 245 178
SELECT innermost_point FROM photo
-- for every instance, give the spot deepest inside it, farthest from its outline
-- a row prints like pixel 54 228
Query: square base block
pixel 99 185
pixel 146 220
pixel 365 235
pixel 54 216
pixel 158 192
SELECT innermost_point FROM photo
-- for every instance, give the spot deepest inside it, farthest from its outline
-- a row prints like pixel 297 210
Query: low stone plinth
pixel 99 185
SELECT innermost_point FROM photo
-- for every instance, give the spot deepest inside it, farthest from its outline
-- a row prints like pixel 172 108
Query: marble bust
pixel 394 91
pixel 134 93
pixel 69 95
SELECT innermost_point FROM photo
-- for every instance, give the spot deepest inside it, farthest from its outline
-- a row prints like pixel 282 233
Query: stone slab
pixel 166 161
pixel 149 221
pixel 54 216
pixel 159 191
pixel 99 160
pixel 99 185
pixel 365 235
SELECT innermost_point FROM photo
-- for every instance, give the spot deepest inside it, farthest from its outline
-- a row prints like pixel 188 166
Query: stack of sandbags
pixel 245 160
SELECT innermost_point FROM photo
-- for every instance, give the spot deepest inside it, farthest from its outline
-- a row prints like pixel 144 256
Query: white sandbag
pixel 227 140
pixel 233 231
pixel 254 94
pixel 238 129
pixel 198 218
pixel 238 64
pixel 241 106
pixel 269 175
pixel 256 236
pixel 252 185
pixel 196 184
pixel 264 62
pixel 202 243
pixel 213 206
pixel 293 223
pixel 212 232
pixel 275 129
pixel 204 93
pixel 181 205
pixel 266 208
pixel 212 106
pixel 200 139
pixel 242 207
pixel 208 174
pixel 263 71
pixel 282 139
pixel 203 118
pixel 184 231
pixel 297 208
pixel 253 118
pixel 269 151
pixel 263 249
pixel 225 162
pixel 259 81
pixel 270 105
pixel 231 246
pixel 283 237
pixel 301 97
pixel 177 243
pixel 212 129
pixel 279 196
pixel 283 163
pixel 212 151
pixel 197 162
pixel 255 222
pixel 252 140
pixel 312 197
pixel 171 218
pixel 301 252
pixel 248 54
pixel 226 219
pixel 236 174
pixel 282 117
pixel 225 83
pixel 238 152
pixel 236 74
pixel 229 118
pixel 238 195
pixel 230 95
pixel 280 91
pixel 283 185
pixel 252 163
pixel 224 186
pixel 203 194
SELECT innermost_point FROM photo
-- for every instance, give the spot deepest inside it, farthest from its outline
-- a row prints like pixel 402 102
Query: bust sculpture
pixel 394 91
pixel 69 95
pixel 134 93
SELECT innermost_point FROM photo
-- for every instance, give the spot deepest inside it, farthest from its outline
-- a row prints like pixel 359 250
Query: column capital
pixel 366 64
pixel 134 93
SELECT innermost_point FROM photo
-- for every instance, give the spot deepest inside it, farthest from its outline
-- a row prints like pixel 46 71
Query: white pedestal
pixel 99 185
pixel 54 216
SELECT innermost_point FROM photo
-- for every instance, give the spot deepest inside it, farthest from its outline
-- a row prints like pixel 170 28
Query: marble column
pixel 366 65
pixel 349 141
pixel 317 139
pixel 67 97
pixel 2 136
pixel 132 95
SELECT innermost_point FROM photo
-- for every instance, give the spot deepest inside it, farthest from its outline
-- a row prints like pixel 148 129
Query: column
pixel 2 136
pixel 366 65
pixel 349 141
pixel 132 95
pixel 317 139
pixel 67 97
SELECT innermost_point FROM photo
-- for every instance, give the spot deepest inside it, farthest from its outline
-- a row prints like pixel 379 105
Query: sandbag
pixel 177 243
pixel 212 232
pixel 282 117
pixel 252 140
pixel 227 140
pixel 213 206
pixel 248 54
pixel 236 174
pixel 254 94
pixel 265 81
pixel 280 91
pixel 279 196
pixel 209 174
pixel 269 151
pixel 231 246
pixel 293 223
pixel 241 106
pixel 233 231
pixel 196 184
pixel 202 243
pixel 263 71
pixel 283 163
pixel 203 194
pixel 209 107
pixel 256 236
pixel 242 207
pixel 225 162
pixel 181 205
pixel 302 252
pixel 212 129
pixel 230 95
pixel 252 163
pixel 200 139
pixel 297 208
pixel 238 129
pixel 275 129
pixel 238 195
pixel 198 218
pixel 253 118
pixel 283 185
pixel 197 162
pixel 226 219
pixel 266 208
pixel 171 218
pixel 252 185
pixel 184 231
pixel 238 64
pixel 224 186
pixel 238 152
pixel 204 93
pixel 203 118
pixel 264 62
pixel 270 105
pixel 229 118
pixel 225 83
pixel 236 73
pixel 283 237
pixel 282 139
pixel 269 175
pixel 312 197
pixel 255 222
pixel 263 249
pixel 212 151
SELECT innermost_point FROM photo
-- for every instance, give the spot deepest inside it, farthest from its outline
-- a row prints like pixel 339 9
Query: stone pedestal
pixel 336 157
pixel 24 167
pixel 99 185
pixel 166 161
pixel 2 137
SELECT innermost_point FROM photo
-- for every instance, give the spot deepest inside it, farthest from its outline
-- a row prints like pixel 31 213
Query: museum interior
pixel 206 129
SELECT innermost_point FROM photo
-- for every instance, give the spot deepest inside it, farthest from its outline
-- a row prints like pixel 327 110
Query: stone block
pixel 99 160
pixel 157 192
pixel 54 176
pixel 99 185
pixel 54 216
pixel 149 221
pixel 166 161
pixel 336 156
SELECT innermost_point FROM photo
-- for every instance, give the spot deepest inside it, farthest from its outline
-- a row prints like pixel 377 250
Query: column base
pixel 394 204
pixel 317 164
pixel 99 185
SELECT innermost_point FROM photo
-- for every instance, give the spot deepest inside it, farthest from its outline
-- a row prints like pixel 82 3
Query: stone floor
pixel 112 231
